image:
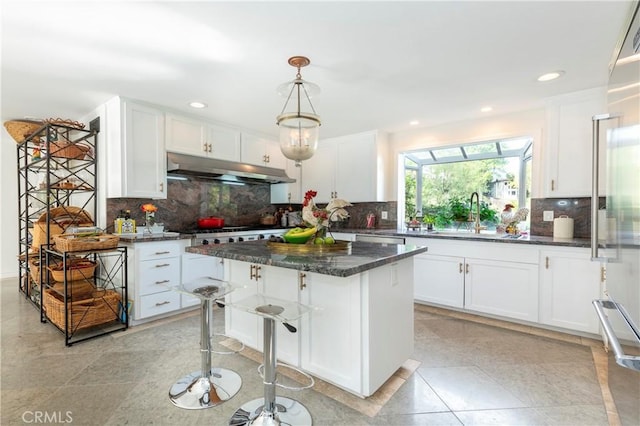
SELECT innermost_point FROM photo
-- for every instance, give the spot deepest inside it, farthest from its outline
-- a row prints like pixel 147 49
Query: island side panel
pixel 388 322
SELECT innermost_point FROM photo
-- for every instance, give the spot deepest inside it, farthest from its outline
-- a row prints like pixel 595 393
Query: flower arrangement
pixel 321 218
pixel 149 215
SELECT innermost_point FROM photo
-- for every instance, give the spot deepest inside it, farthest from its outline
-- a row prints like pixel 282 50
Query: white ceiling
pixel 379 64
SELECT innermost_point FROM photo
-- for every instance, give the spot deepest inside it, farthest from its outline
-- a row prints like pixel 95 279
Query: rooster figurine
pixel 509 220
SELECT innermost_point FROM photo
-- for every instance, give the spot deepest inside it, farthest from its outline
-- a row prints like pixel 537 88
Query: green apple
pixel 329 240
pixel 318 240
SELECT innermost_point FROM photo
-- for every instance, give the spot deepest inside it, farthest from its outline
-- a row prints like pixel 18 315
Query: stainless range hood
pixel 230 171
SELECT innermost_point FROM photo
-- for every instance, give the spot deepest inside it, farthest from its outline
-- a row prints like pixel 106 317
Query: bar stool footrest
pixel 230 351
pixel 297 370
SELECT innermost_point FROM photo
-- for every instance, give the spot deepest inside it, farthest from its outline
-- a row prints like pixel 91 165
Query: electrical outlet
pixel 385 215
pixel 547 215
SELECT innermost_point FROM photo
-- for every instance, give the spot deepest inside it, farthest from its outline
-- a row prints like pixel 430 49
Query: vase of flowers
pixel 150 216
pixel 322 218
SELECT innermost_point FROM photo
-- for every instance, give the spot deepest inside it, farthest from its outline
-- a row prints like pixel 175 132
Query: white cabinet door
pixel 242 325
pixel 349 167
pixel 261 151
pixel 283 284
pixel 282 193
pixel 331 346
pixel 223 142
pixel 569 144
pixel 135 150
pixel 439 279
pixel 188 135
pixel 508 289
pixel 319 172
pixel 569 282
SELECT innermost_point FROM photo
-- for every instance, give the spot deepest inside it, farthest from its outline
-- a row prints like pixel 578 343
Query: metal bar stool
pixel 272 409
pixel 210 386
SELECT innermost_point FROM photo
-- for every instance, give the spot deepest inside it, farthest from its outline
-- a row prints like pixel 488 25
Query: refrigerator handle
pixel 595 181
pixel 628 361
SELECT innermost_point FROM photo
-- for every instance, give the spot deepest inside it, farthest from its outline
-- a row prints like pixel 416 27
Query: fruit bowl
pixel 297 238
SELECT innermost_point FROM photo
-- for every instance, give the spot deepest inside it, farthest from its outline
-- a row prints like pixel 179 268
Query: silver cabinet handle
pixel 162 252
pixel 595 181
pixel 627 361
pixel 460 267
pixel 166 302
pixel 162 282
pixel 162 265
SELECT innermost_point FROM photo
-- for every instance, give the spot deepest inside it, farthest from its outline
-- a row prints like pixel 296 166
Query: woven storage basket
pixel 21 129
pixel 77 290
pixel 70 242
pixel 77 269
pixel 60 218
pixel 34 270
pixel 65 149
pixel 102 308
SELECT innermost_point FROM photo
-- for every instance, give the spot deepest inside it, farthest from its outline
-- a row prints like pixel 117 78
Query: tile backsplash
pixel 579 209
pixel 188 200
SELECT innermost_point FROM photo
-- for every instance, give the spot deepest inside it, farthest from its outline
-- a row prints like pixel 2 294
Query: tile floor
pixel 470 374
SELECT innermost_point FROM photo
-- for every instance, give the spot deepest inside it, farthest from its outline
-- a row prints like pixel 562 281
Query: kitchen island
pixel 360 330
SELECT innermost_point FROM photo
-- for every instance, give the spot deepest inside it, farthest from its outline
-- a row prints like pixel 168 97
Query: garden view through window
pixel 439 183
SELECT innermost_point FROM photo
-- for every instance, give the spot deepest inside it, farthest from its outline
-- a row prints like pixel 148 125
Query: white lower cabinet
pixel 439 279
pixel 498 287
pixel 154 267
pixel 493 278
pixel 569 282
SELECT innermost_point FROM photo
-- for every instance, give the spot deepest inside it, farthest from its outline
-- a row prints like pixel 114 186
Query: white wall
pixel 9 209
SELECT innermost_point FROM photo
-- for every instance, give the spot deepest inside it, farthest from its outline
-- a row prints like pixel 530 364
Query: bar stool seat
pixel 210 386
pixel 272 409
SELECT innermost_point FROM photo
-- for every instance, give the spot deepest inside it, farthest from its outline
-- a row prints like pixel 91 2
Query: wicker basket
pixel 102 308
pixel 71 242
pixel 21 129
pixel 34 269
pixel 65 149
pixel 78 290
pixel 60 218
pixel 77 269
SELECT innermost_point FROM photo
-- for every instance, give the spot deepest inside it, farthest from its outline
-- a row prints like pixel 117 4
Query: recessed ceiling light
pixel 197 104
pixel 550 76
pixel 414 122
pixel 486 109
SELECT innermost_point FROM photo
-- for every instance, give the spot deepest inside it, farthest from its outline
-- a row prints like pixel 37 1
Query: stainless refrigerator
pixel 615 236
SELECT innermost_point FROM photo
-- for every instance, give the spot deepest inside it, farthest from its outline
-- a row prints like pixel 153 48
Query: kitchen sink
pixel 486 235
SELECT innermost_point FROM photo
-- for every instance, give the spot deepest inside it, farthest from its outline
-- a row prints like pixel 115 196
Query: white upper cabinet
pixel 568 160
pixel 288 192
pixel 348 167
pixel 134 147
pixel 261 151
pixel 188 135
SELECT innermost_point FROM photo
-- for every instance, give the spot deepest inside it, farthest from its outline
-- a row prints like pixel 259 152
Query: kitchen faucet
pixel 476 226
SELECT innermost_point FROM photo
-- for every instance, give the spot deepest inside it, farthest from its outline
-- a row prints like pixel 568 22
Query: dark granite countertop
pixel 470 236
pixel 363 256
pixel 143 238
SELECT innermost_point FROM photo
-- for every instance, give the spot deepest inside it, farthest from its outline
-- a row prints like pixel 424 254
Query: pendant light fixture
pixel 299 130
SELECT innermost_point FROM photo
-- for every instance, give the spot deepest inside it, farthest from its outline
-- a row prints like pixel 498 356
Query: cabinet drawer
pixel 149 251
pixel 159 303
pixel 157 275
